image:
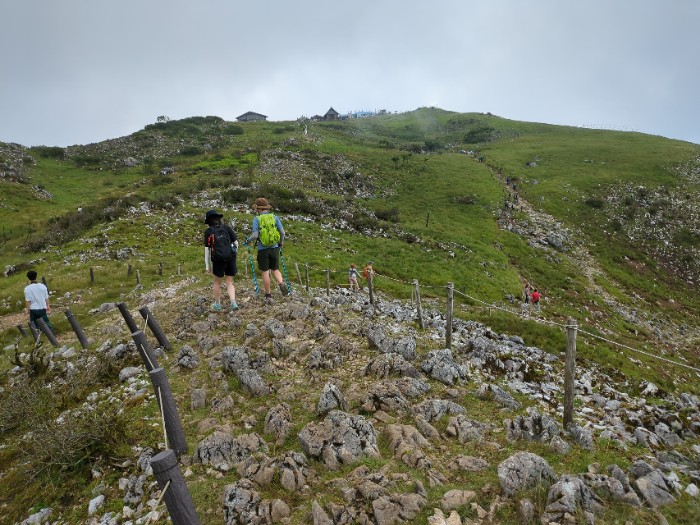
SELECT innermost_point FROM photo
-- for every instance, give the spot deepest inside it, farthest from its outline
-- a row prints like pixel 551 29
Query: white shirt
pixel 37 293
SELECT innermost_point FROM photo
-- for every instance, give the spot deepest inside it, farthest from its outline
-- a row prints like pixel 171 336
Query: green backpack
pixel 269 234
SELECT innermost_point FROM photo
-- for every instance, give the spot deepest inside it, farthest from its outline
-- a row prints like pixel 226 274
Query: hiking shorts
pixel 224 267
pixel 269 259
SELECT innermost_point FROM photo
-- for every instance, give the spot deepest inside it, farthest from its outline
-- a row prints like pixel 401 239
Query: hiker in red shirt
pixel 536 299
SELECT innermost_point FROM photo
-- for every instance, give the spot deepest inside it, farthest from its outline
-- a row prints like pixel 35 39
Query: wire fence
pixel 539 319
pixel 184 268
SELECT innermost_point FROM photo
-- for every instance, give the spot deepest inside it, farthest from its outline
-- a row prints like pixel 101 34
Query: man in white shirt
pixel 36 300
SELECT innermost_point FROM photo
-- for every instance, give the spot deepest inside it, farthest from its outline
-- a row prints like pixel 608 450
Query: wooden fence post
pixel 173 428
pixel 570 372
pixel 76 328
pixel 177 497
pixel 127 317
pixel 307 276
pixel 160 268
pixel 47 331
pixel 450 306
pixel 370 285
pixel 92 276
pixel 178 269
pixel 43 280
pixel 35 331
pixel 328 282
pixel 296 265
pixel 138 277
pixel 22 331
pixel 145 351
pixel 419 309
pixel 129 271
pixel 154 325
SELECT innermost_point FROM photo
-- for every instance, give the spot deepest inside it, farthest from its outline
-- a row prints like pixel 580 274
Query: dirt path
pixel 12 320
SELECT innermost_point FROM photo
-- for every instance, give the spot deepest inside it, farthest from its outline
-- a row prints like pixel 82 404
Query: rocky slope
pixel 329 410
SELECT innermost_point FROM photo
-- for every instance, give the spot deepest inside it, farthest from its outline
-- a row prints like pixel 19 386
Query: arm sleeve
pixel 256 230
pixel 278 223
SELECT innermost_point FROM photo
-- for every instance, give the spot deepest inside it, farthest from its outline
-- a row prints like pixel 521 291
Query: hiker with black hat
pixel 220 245
pixel 268 231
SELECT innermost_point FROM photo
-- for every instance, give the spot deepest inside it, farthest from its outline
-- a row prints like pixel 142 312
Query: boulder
pixel 441 366
pixel 524 470
pixel 340 439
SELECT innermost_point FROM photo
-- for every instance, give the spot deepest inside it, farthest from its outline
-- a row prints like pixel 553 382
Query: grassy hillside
pixel 606 225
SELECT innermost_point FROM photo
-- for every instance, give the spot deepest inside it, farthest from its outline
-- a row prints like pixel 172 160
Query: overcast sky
pixel 82 71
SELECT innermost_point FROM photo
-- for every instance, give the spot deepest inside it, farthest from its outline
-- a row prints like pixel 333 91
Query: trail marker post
pixel 450 306
pixel 570 372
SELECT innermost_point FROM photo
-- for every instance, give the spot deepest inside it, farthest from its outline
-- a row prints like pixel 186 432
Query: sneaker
pixel 234 305
pixel 283 288
pixel 216 307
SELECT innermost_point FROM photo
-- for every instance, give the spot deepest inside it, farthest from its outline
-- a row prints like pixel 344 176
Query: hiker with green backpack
pixel 269 233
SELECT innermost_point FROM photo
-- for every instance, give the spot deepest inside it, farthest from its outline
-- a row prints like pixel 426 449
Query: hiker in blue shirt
pixel 269 233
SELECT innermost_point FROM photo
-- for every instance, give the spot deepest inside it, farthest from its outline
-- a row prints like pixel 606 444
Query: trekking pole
pixel 284 269
pixel 252 269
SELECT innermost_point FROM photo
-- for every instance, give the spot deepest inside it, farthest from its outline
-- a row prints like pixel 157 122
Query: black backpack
pixel 219 241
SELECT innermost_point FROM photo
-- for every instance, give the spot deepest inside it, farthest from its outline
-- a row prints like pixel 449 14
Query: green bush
pixel 388 214
pixel 595 202
pixel 479 134
pixel 49 152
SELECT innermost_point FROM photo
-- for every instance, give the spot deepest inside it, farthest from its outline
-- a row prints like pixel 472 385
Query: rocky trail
pixel 330 410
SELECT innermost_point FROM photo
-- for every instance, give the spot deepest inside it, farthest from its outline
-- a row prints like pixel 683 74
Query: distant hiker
pixel 527 294
pixel 536 299
pixel 220 246
pixel 36 300
pixel 352 277
pixel 268 230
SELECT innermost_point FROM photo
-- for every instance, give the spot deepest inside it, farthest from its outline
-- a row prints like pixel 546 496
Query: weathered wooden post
pixel 174 434
pixel 145 350
pixel 47 331
pixel 160 268
pixel 43 280
pixel 76 328
pixel 92 276
pixel 301 283
pixel 570 372
pixel 328 282
pixel 172 484
pixel 127 317
pixel 129 270
pixel 22 331
pixel 138 277
pixel 450 306
pixel 307 276
pixel 370 285
pixel 155 328
pixel 419 308
pixel 35 331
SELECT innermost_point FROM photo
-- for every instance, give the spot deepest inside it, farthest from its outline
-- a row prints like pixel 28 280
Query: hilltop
pixel 604 223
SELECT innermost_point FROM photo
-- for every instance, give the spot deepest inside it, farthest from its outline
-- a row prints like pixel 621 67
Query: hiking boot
pixel 268 298
pixel 216 307
pixel 284 289
pixel 234 305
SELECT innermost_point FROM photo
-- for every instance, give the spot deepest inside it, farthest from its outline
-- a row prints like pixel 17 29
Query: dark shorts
pixel 269 259
pixel 224 267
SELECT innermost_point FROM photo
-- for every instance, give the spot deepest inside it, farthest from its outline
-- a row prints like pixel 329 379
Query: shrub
pixel 232 129
pixel 190 151
pixel 389 214
pixel 49 152
pixel 479 134
pixel 595 202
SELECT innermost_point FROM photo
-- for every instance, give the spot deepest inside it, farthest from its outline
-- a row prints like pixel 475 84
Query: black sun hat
pixel 211 214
